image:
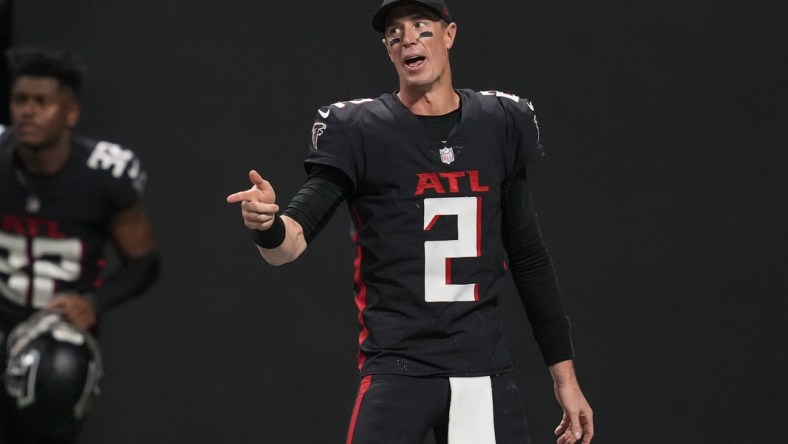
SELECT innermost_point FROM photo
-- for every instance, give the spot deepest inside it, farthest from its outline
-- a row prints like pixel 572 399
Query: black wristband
pixel 272 237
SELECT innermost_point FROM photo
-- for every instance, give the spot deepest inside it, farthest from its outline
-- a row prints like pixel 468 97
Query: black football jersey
pixel 429 255
pixel 53 229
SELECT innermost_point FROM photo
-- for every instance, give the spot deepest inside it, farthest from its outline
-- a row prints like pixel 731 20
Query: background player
pixel 435 179
pixel 64 199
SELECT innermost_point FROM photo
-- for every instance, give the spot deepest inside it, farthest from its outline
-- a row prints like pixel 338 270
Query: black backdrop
pixel 662 201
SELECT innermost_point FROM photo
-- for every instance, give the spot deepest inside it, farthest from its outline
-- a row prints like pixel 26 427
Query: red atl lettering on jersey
pixel 435 182
pixel 31 226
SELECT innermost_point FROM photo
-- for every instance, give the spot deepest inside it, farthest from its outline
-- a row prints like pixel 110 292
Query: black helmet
pixel 52 373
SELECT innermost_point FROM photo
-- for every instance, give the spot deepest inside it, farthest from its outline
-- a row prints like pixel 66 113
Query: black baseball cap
pixel 437 6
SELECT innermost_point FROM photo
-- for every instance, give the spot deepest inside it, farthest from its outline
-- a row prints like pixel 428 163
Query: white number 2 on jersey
pixel 438 254
pixel 51 260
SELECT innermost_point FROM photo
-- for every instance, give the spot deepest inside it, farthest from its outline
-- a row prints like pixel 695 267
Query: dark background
pixel 662 201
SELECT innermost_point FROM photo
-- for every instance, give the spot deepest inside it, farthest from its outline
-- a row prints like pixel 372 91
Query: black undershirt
pixel 529 261
pixel 440 128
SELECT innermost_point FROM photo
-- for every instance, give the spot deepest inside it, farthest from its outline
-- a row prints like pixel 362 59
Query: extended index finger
pixel 250 195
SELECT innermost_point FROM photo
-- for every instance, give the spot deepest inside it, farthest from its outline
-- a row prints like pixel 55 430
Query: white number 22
pixel 51 260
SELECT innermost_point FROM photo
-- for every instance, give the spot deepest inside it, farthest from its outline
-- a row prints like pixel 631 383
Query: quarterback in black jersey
pixel 64 199
pixel 435 181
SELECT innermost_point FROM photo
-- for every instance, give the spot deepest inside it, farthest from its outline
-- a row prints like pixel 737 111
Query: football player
pixel 65 198
pixel 435 181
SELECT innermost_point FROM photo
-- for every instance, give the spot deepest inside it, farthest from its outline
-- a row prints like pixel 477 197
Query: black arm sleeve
pixel 534 275
pixel 134 276
pixel 318 199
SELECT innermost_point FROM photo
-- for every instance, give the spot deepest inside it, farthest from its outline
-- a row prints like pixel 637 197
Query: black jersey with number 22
pixel 53 229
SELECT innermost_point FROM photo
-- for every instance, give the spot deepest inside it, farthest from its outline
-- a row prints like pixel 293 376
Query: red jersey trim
pixel 361 295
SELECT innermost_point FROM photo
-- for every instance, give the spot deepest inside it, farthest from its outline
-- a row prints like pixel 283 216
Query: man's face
pixel 418 43
pixel 42 111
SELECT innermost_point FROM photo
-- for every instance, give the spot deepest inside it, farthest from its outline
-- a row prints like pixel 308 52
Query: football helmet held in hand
pixel 52 372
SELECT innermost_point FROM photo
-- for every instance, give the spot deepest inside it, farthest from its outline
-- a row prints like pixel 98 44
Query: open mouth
pixel 413 61
pixel 26 127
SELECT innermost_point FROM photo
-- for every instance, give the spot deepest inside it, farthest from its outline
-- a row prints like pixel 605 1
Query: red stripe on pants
pixel 362 389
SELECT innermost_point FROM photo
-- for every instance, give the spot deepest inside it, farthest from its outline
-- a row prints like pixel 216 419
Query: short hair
pixel 37 62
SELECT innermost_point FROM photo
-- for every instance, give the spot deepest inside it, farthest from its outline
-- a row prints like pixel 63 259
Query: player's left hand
pixel 77 309
pixel 578 419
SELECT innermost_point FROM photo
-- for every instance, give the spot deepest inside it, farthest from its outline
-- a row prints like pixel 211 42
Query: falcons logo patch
pixel 317 131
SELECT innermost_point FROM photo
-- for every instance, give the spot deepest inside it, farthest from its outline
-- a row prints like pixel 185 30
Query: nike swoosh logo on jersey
pixel 324 114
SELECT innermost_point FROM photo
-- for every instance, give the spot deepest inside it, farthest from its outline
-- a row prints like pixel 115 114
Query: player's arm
pixel 534 276
pixel 533 273
pixel 291 247
pixel 281 239
pixel 131 234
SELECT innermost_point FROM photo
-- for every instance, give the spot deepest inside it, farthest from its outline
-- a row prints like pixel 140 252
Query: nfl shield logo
pixel 447 155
